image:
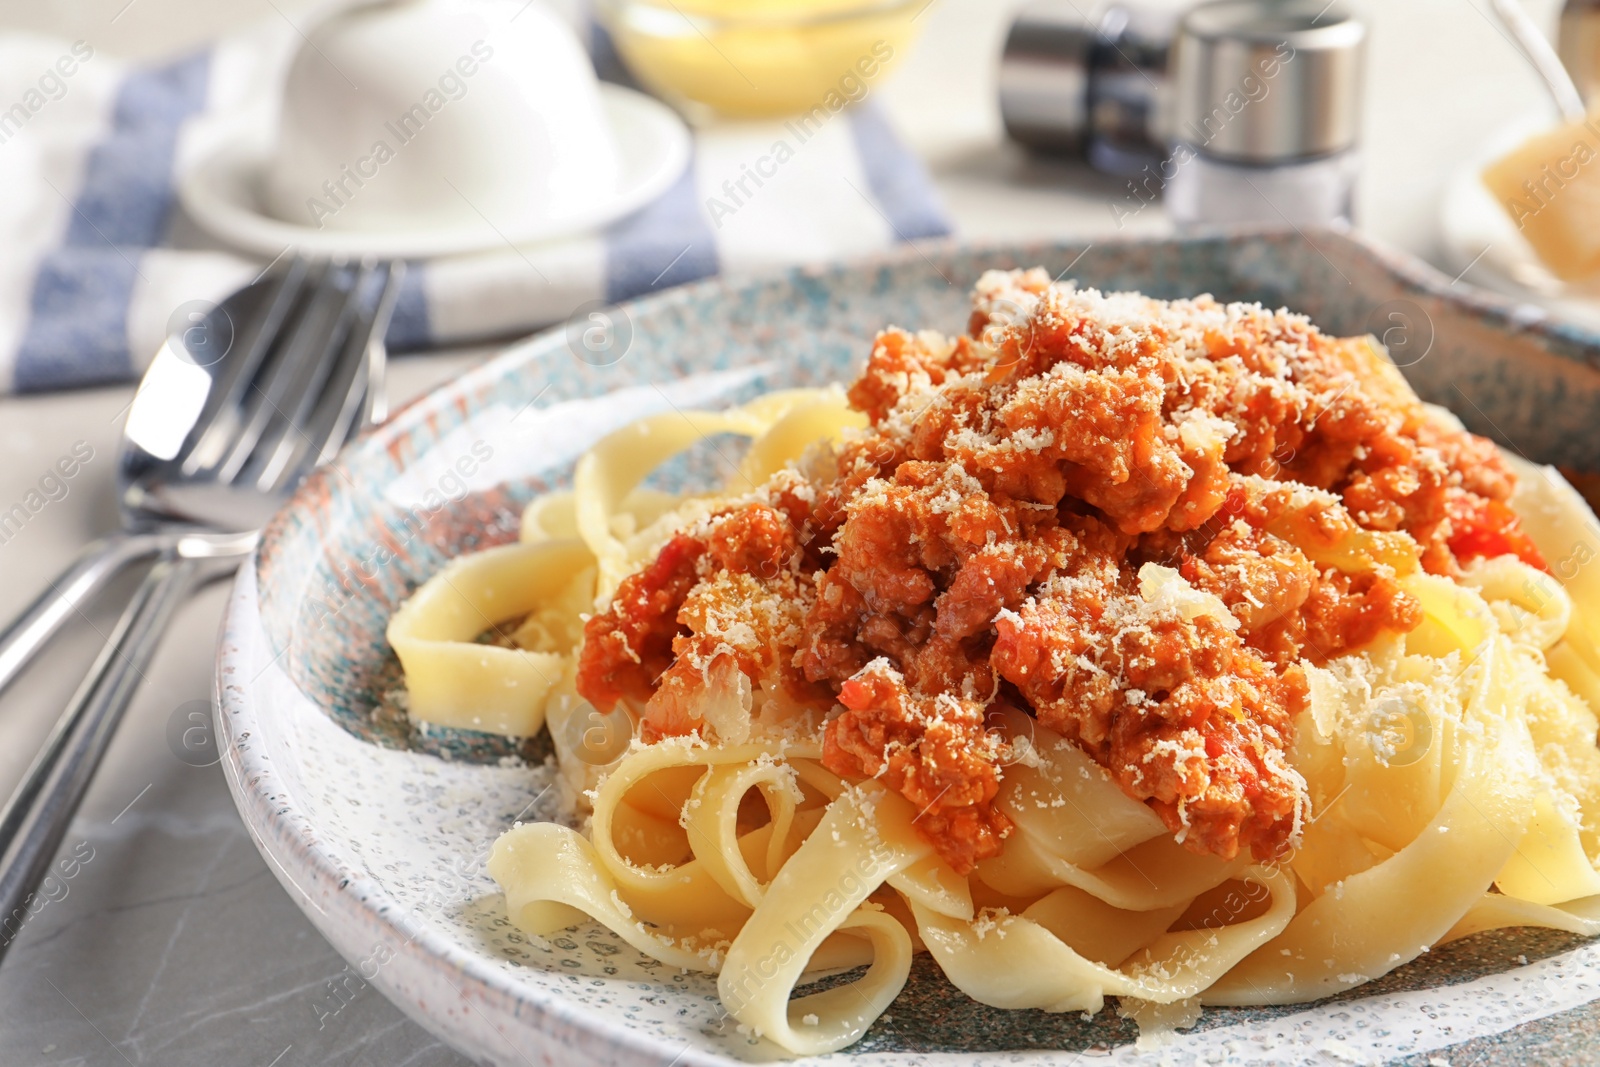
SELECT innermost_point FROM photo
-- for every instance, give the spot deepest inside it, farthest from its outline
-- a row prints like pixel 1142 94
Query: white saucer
pixel 222 193
pixel 1481 240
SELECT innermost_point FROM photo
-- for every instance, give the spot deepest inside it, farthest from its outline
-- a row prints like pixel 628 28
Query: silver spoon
pixel 203 384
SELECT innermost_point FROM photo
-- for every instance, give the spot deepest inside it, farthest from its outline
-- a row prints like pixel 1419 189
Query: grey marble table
pixel 171 943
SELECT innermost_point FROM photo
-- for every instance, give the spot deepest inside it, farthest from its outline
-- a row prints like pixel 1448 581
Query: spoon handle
pixel 22 639
pixel 1539 52
pixel 36 817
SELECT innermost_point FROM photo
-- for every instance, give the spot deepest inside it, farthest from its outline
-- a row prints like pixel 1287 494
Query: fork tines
pixel 302 382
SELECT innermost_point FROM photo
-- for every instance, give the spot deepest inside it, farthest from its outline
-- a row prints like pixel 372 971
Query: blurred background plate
pixel 1482 242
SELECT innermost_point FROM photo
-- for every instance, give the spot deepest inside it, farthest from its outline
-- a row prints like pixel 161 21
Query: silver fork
pixel 262 312
pixel 212 446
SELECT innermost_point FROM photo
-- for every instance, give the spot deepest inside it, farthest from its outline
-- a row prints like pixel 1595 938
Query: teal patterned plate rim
pixel 378 829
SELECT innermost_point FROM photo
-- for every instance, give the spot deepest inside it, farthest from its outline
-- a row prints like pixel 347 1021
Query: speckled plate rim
pixel 429 969
pixel 354 912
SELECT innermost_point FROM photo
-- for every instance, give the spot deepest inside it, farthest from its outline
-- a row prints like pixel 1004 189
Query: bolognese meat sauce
pixel 988 538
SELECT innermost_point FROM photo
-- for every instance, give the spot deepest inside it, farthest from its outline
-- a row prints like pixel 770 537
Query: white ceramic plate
pixel 381 839
pixel 222 193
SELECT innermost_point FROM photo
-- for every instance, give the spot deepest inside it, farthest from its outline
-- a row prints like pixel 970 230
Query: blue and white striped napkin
pixel 97 254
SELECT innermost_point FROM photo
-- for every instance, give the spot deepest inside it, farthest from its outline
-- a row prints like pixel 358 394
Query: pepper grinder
pixel 1267 113
pixel 1089 84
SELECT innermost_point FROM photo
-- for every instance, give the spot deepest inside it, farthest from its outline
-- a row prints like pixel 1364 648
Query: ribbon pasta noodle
pixel 1171 652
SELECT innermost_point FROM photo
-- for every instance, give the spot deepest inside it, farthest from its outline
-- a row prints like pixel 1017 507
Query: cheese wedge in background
pixel 1551 189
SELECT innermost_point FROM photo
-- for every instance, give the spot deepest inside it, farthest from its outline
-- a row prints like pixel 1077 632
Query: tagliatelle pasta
pixel 1172 652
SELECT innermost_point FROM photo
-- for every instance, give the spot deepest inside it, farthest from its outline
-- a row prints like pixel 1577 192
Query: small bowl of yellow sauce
pixel 760 58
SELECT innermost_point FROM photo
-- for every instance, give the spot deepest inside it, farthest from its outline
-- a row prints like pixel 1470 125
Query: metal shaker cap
pixel 1089 84
pixel 1044 76
pixel 1268 81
